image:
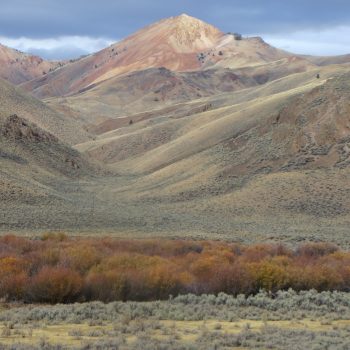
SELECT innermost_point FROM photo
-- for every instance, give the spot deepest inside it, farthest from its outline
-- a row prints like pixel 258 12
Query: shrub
pixel 13 278
pixel 315 250
pixel 270 276
pixel 80 258
pixel 55 285
pixel 106 286
pixel 61 269
pixel 54 236
pixel 233 279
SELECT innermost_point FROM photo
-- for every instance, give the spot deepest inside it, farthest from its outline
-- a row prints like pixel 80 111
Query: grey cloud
pixel 332 41
pixel 65 47
pixel 62 53
pixel 48 19
pixel 45 18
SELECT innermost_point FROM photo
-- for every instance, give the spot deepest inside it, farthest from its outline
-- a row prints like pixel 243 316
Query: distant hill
pixel 179 44
pixel 18 67
pixel 328 60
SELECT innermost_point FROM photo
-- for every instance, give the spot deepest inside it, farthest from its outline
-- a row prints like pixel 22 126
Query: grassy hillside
pixel 269 162
pixel 14 101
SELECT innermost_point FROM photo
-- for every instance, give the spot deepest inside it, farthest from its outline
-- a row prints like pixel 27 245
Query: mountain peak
pixel 185 19
pixel 184 15
pixel 188 34
pixel 180 43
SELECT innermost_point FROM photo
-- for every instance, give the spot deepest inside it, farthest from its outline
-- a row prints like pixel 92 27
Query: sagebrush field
pixel 287 320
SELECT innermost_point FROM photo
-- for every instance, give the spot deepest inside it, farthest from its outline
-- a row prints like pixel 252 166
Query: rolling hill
pixel 36 161
pixel 118 100
pixel 200 133
pixel 14 101
pixel 263 166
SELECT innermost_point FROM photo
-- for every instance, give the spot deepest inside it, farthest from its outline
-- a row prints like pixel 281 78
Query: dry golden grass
pixel 73 335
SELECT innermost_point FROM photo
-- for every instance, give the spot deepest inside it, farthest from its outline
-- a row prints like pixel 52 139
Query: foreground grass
pixel 211 334
pixel 289 320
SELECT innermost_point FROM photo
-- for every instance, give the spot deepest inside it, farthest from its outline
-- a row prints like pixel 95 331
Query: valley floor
pixel 123 206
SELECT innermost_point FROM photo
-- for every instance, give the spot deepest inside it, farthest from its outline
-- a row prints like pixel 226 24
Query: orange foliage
pixel 316 250
pixel 55 285
pixel 60 269
pixel 80 258
pixel 13 277
pixel 51 236
pixel 106 286
pixel 270 275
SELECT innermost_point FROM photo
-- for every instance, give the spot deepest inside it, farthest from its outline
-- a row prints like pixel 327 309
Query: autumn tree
pixel 55 285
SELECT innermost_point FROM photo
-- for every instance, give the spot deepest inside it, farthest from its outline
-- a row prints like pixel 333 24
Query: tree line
pixel 59 269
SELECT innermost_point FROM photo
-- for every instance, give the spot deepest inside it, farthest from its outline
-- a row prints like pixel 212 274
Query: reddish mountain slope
pixel 18 67
pixel 180 43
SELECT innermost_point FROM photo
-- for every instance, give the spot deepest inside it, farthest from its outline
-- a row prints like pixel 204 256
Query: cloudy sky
pixel 58 29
